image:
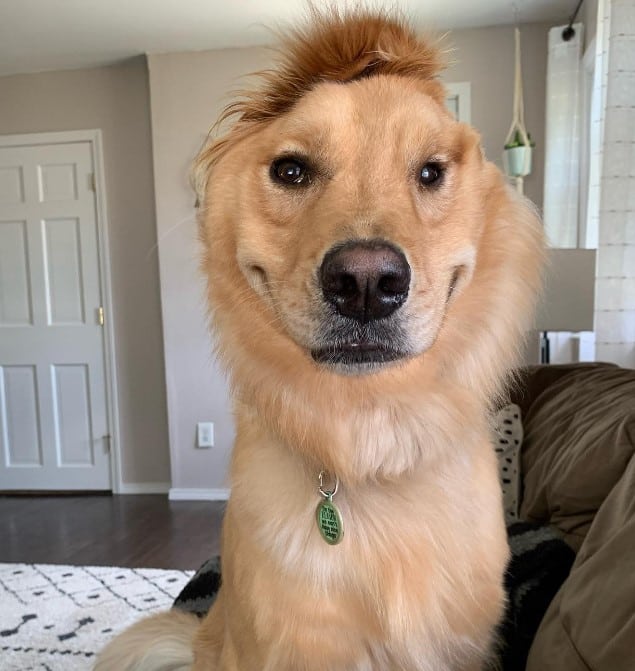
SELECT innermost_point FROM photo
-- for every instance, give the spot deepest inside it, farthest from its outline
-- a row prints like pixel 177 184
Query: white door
pixel 53 413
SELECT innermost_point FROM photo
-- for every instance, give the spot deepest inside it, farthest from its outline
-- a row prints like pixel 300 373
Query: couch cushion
pixel 579 437
pixel 590 623
pixel 579 475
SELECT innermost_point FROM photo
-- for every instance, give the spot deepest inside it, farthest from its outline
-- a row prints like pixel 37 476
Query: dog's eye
pixel 431 173
pixel 290 171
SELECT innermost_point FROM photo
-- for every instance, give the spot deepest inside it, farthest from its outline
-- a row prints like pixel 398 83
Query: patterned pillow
pixel 508 439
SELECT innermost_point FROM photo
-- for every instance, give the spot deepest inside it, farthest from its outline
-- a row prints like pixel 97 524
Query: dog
pixel 370 277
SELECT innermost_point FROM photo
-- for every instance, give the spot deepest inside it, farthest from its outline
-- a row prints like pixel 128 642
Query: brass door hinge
pixel 92 184
pixel 100 315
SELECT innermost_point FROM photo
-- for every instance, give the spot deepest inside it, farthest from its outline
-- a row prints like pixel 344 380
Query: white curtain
pixel 562 147
pixel 615 281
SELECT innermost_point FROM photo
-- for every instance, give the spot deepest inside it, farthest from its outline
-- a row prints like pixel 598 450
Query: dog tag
pixel 329 522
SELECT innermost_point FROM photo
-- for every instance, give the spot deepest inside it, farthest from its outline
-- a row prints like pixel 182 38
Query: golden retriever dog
pixel 370 278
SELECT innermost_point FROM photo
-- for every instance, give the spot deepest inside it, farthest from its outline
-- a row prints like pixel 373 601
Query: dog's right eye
pixel 431 174
pixel 290 171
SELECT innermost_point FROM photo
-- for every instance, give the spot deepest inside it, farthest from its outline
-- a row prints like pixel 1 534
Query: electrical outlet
pixel 205 434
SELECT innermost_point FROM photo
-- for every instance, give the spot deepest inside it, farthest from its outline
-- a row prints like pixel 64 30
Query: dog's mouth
pixel 351 347
pixel 356 354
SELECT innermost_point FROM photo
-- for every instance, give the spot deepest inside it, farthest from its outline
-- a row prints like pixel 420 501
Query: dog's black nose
pixel 365 279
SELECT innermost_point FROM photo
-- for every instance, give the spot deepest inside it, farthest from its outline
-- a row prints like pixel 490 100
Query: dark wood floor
pixel 133 531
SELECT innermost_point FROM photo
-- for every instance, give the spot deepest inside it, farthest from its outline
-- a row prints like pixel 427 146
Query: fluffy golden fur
pixel 416 583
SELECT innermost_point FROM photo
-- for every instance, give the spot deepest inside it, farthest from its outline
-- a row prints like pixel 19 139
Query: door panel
pixel 11 184
pixel 64 282
pixel 57 182
pixel 20 416
pixel 71 402
pixel 15 296
pixel 53 413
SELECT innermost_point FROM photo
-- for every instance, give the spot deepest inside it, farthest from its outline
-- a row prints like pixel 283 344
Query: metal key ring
pixel 325 492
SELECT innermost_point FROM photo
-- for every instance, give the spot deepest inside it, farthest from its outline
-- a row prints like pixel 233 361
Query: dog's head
pixel 345 214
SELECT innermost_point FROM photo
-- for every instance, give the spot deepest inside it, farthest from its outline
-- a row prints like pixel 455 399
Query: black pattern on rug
pixel 57 618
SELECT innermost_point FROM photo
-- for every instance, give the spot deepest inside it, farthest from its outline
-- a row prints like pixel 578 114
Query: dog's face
pixel 355 219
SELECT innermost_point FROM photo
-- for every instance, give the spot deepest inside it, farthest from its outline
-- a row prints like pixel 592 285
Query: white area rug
pixel 57 618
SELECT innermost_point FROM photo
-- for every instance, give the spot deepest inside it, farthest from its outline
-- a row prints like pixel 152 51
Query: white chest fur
pixel 414 584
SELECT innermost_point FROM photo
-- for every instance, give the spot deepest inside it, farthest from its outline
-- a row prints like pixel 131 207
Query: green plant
pixel 518 141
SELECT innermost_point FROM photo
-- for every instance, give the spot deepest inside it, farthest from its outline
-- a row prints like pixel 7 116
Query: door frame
pixel 94 137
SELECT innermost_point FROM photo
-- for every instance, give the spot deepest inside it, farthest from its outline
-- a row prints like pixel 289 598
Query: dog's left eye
pixel 431 173
pixel 290 171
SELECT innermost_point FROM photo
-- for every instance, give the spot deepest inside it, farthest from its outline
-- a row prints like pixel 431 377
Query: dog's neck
pixel 365 428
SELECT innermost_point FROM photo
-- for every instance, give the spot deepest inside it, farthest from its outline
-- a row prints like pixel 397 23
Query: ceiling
pixel 38 35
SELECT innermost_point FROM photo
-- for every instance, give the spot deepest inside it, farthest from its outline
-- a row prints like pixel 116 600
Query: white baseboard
pixel 191 494
pixel 143 488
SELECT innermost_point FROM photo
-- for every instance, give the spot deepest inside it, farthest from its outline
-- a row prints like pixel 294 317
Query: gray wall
pixel 485 57
pixel 188 91
pixel 589 16
pixel 116 100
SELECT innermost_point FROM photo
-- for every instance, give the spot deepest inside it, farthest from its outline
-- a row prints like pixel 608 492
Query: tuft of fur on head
pixel 334 45
pixel 341 48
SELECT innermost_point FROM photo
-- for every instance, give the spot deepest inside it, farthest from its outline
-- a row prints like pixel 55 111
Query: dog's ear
pixel 470 142
pixel 480 340
pixel 435 89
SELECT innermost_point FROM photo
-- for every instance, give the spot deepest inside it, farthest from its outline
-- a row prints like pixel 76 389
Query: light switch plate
pixel 205 434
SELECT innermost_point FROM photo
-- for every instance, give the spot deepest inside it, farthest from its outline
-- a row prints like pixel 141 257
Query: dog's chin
pixel 358 358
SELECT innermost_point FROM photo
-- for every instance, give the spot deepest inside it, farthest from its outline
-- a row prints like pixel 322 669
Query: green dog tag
pixel 329 522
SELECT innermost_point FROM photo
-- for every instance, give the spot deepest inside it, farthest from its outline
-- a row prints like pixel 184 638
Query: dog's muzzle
pixel 364 282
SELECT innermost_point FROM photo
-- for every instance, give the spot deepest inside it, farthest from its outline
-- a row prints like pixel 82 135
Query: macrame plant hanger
pixel 517 130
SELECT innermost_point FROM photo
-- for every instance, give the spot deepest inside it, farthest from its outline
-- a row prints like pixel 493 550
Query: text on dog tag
pixel 329 522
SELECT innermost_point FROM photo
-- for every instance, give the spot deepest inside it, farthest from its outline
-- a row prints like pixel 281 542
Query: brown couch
pixel 578 475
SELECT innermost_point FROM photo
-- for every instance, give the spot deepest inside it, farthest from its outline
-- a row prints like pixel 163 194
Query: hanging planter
pixel 518 155
pixel 518 143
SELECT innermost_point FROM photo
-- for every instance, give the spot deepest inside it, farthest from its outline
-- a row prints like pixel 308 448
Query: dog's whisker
pixel 169 231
